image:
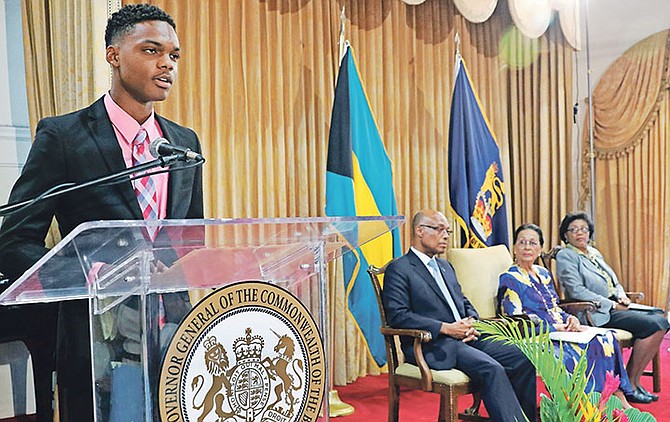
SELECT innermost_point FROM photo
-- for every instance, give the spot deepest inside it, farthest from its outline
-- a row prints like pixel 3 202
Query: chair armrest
pixel 575 307
pixel 420 336
pixel 572 306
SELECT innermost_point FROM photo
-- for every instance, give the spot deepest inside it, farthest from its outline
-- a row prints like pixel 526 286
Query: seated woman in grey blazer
pixel 584 275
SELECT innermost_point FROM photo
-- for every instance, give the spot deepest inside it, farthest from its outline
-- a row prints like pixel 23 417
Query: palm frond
pixel 569 400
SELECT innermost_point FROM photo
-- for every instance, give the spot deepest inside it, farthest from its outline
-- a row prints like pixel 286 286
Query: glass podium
pixel 207 320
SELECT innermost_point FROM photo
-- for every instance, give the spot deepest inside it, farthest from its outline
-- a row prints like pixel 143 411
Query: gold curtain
pixel 257 83
pixel 631 112
pixel 63 73
pixel 540 131
pixel 64 54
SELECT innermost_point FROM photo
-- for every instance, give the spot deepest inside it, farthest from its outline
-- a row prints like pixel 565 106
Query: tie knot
pixel 140 137
pixel 433 264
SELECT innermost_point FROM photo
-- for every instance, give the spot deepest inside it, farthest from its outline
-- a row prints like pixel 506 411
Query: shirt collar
pixel 124 123
pixel 422 256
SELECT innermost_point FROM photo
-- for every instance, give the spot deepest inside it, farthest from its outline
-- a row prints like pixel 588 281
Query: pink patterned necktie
pixel 145 187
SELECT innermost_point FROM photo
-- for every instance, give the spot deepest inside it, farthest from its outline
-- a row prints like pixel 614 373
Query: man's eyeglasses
pixel 439 229
pixel 528 243
pixel 575 230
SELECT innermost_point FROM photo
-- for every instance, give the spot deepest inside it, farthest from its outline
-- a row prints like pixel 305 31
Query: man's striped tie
pixel 145 187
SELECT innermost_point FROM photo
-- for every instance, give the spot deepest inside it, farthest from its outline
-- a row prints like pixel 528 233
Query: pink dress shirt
pixel 125 128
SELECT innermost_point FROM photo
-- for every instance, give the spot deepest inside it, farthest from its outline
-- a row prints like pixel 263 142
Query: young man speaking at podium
pixel 113 133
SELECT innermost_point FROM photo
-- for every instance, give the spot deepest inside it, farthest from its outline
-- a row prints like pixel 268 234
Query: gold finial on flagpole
pixel 342 43
pixel 457 39
pixel 457 58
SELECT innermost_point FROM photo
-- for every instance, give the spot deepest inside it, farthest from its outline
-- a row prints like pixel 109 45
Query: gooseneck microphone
pixel 161 147
pixel 165 154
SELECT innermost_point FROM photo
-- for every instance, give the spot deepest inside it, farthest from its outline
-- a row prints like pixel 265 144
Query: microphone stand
pixel 114 177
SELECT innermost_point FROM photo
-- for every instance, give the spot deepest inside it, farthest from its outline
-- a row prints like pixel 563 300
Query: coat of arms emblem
pixel 251 363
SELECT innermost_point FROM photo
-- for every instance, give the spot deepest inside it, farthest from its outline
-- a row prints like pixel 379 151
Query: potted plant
pixel 568 399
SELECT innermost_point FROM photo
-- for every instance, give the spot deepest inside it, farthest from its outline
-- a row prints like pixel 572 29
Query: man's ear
pixel 112 56
pixel 418 232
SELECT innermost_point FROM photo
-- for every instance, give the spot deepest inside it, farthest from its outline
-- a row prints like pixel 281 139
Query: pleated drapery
pixel 257 78
pixel 62 72
pixel 631 114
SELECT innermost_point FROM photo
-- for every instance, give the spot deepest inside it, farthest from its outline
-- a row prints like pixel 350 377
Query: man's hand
pixel 462 330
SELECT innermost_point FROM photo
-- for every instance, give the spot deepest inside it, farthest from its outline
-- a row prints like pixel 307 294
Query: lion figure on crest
pixel 216 361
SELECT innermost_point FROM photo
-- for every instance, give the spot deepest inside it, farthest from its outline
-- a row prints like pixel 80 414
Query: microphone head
pixel 155 145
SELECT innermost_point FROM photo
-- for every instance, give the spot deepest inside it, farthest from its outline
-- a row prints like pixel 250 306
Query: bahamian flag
pixel 476 186
pixel 359 183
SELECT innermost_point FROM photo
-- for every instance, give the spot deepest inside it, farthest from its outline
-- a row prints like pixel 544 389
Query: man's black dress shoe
pixel 652 396
pixel 638 397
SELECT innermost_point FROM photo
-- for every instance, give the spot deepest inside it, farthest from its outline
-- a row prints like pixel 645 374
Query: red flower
pixel 618 415
pixel 611 385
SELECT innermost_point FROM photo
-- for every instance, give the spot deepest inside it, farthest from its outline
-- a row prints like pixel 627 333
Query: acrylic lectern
pixel 240 349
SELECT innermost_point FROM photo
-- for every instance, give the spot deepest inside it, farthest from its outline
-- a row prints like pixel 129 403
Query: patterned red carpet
pixel 368 395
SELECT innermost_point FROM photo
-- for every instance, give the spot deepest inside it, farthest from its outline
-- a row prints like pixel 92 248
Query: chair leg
pixel 448 408
pixel 476 404
pixel 394 403
pixel 656 368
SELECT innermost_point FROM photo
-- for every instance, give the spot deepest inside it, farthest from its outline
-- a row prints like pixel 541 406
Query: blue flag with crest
pixel 476 186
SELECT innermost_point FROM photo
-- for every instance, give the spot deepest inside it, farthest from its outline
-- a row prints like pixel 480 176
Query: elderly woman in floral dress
pixel 526 288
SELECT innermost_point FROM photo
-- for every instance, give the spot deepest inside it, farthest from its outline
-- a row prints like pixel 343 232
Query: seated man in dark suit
pixel 421 292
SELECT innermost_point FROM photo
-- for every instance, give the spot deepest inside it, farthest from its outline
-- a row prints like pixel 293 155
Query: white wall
pixel 14 145
pixel 14 126
pixel 613 27
pixel 616 25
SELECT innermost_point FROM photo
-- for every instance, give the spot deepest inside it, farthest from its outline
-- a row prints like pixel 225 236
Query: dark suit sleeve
pixel 470 310
pixel 398 301
pixel 23 232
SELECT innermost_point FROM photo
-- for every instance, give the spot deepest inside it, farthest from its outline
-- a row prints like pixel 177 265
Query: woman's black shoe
pixel 652 396
pixel 638 397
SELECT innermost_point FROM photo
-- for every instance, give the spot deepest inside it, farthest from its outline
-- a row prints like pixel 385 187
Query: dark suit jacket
pixel 78 147
pixel 412 299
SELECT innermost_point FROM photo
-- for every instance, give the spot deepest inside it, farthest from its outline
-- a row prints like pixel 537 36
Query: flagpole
pixel 336 407
pixel 592 163
pixel 342 42
pixel 458 234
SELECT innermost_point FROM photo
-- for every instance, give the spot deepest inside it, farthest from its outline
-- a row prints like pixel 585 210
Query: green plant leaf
pixel 568 399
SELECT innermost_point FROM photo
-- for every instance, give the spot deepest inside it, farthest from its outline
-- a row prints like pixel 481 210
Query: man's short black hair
pixel 123 21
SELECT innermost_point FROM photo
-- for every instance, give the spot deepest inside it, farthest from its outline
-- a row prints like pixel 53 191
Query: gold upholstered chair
pixel 478 271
